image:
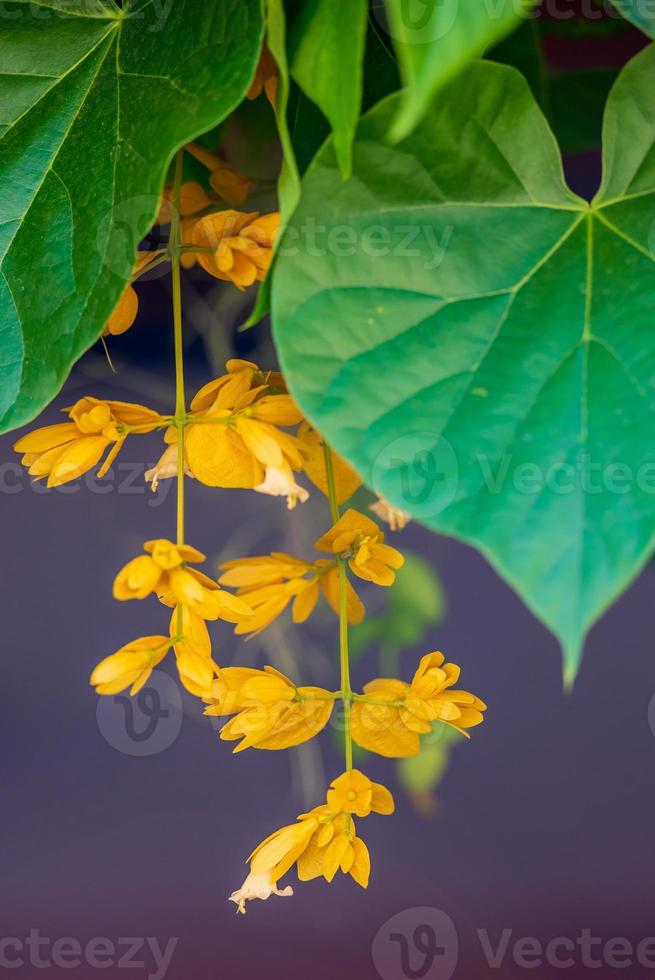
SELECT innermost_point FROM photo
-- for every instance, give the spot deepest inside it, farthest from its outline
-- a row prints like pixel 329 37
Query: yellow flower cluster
pixel 320 843
pixel 270 711
pixel 165 571
pixel 65 451
pixel 244 430
pixel 271 582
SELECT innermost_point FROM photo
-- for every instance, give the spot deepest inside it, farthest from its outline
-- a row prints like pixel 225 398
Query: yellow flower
pixel 164 570
pixel 396 518
pixel 346 479
pixel 271 712
pixel 166 466
pixel 242 245
pixel 353 792
pixel 270 582
pixel 125 311
pixel 238 440
pixel 359 539
pixel 193 199
pixel 320 842
pixel 392 715
pixel 193 651
pixel 231 185
pixel 64 451
pixel 266 78
pixel 131 666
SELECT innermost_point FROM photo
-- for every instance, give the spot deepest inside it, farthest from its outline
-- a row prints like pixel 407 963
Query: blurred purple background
pixel 545 824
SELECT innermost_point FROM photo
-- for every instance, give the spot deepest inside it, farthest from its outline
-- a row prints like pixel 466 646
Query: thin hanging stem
pixel 180 400
pixel 344 660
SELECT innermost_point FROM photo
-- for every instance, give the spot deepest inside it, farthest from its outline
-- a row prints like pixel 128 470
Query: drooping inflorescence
pixel 244 430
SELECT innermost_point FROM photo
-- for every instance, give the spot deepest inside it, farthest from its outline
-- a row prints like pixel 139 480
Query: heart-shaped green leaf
pixel 435 39
pixel 480 343
pixel 94 99
pixel 640 12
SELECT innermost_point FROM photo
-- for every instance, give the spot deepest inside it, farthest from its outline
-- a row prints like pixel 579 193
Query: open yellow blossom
pixel 238 439
pixel 320 843
pixel 270 582
pixel 271 712
pixel 346 479
pixel 64 451
pixel 242 245
pixel 353 792
pixel 164 570
pixel 266 78
pixel 131 666
pixel 392 715
pixel 358 538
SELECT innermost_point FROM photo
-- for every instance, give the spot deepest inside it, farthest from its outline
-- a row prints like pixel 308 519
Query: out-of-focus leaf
pixel 327 63
pixel 436 39
pixel 414 604
pixel 576 106
pixel 420 775
pixel 640 13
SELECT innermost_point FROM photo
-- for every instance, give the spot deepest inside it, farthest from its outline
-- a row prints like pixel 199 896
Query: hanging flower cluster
pixel 243 430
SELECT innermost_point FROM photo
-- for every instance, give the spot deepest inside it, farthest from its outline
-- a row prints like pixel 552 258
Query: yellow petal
pixel 46 438
pixel 346 479
pixel 77 458
pixel 218 457
pixel 360 869
pixel 305 602
pixel 137 579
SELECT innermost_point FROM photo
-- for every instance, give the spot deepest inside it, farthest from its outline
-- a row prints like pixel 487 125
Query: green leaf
pixel 478 341
pixel 641 14
pixel 435 39
pixel 413 605
pixel 327 63
pixel 577 122
pixel 422 773
pixel 93 102
pixel 289 179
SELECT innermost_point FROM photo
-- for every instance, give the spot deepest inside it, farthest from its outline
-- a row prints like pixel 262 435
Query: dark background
pixel 545 824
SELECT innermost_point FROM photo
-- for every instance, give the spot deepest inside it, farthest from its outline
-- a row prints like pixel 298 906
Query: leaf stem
pixel 180 400
pixel 344 660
